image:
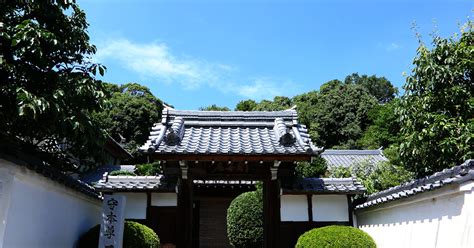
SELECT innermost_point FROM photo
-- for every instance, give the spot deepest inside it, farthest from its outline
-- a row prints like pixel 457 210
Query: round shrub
pixel 245 220
pixel 335 236
pixel 135 235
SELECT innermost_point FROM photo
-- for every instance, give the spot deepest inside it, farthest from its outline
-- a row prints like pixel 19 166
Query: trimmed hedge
pixel 122 173
pixel 245 220
pixel 135 235
pixel 335 236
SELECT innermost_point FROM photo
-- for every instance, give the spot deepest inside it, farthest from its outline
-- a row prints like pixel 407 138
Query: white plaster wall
pixel 441 218
pixel 330 208
pixel 164 199
pixel 135 205
pixel 294 208
pixel 39 212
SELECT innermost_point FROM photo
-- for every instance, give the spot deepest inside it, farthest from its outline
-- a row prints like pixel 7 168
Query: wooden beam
pixel 350 208
pixel 310 207
pixel 148 209
pixel 271 212
pixel 185 213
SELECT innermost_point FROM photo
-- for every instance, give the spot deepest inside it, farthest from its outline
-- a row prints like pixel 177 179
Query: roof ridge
pixel 456 174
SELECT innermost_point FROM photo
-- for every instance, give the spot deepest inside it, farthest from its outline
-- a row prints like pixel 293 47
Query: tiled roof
pixel 347 158
pixel 325 185
pixel 135 183
pixel 232 132
pixel 96 175
pixel 33 163
pixel 454 175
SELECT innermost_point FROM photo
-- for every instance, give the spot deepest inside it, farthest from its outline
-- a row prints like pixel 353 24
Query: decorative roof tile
pixel 347 158
pixel 135 183
pixel 454 175
pixel 232 132
pixel 325 185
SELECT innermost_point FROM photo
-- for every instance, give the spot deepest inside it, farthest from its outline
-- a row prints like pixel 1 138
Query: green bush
pixel 317 168
pixel 335 236
pixel 148 169
pixel 135 235
pixel 122 173
pixel 245 220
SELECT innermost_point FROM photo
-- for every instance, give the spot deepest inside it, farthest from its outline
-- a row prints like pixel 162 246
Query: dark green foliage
pixel 246 105
pixel 317 168
pixel 437 109
pixel 47 88
pixel 337 237
pixel 245 220
pixel 148 169
pixel 340 115
pixel 379 87
pixel 122 173
pixel 214 107
pixel 135 236
pixel 278 103
pixel 374 177
pixel 384 127
pixel 132 111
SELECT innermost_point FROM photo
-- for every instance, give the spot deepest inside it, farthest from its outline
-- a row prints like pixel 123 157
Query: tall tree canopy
pixel 48 88
pixel 340 115
pixel 437 109
pixel 246 105
pixel 132 111
pixel 214 107
pixel 379 87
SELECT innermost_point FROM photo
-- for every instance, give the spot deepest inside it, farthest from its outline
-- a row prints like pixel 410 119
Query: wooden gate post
pixel 271 211
pixel 185 210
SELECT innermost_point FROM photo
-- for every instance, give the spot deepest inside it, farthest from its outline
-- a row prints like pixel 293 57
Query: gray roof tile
pixel 135 183
pixel 325 185
pixel 233 132
pixel 347 158
pixel 457 174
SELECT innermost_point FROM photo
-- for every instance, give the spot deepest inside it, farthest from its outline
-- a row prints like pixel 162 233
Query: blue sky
pixel 198 53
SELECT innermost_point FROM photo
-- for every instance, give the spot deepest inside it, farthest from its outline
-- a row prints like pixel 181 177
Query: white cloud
pixel 156 61
pixel 393 46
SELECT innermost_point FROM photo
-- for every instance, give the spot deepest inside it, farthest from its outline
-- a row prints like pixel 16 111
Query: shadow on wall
pixel 413 209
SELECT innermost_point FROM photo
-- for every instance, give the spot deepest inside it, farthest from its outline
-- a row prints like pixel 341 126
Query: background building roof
pixel 324 186
pixel 347 158
pixel 455 175
pixel 228 133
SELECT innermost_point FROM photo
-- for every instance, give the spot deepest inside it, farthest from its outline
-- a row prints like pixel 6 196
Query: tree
pixel 278 103
pixel 340 114
pixel 374 177
pixel 306 104
pixel 48 88
pixel 379 87
pixel 214 107
pixel 436 111
pixel 246 105
pixel 384 127
pixel 132 111
pixel 316 168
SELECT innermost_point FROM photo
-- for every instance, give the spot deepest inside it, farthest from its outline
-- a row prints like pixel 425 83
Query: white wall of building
pixel 164 199
pixel 135 205
pixel 324 208
pixel 38 212
pixel 294 208
pixel 441 218
pixel 330 208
